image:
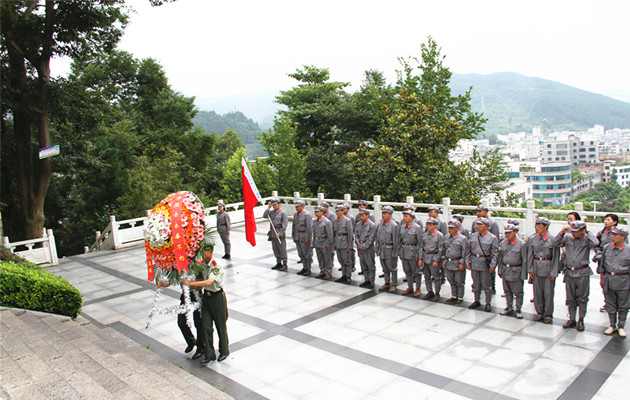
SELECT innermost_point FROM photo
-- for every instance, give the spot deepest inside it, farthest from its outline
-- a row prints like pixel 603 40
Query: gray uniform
pixel 322 240
pixel 385 245
pixel 615 267
pixel 302 233
pixel 331 217
pixel 512 266
pixel 353 256
pixel 483 251
pixel 364 234
pixel 577 270
pixel 543 260
pixel 342 229
pixel 432 250
pixel 492 228
pixel 409 250
pixel 278 220
pixel 455 253
pixel 464 231
pixel 223 227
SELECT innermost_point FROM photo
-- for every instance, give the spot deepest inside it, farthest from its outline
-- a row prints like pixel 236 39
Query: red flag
pixel 251 198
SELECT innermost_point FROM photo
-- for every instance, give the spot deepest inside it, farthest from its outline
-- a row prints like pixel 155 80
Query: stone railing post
pixel 274 193
pixel 579 206
pixel 98 235
pixel 114 230
pixel 377 208
pixel 296 196
pixel 446 209
pixel 530 218
pixel 409 200
pixel 52 248
pixel 346 199
pixel 320 198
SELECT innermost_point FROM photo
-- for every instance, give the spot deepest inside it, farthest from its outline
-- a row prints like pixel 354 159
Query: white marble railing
pixel 42 251
pixel 120 234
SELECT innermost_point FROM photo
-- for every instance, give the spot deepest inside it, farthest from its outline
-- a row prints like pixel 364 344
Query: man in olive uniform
pixel 278 224
pixel 363 205
pixel 542 266
pixel 364 233
pixel 577 271
pixel 483 251
pixel 323 240
pixel 454 261
pixel 302 233
pixel 434 213
pixel 462 229
pixel 512 268
pixel 213 305
pixel 431 259
pixel 409 251
pixel 223 227
pixel 343 232
pixel 385 245
pixel 614 271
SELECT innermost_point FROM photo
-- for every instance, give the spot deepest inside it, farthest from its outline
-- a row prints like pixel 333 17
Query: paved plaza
pixel 294 337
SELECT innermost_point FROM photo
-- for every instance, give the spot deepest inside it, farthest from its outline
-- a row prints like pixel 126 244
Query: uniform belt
pixel 576 268
pixel 209 293
pixel 410 244
pixel 617 273
pixel 385 244
pixel 222 224
pixel 301 231
pixel 511 265
pixel 278 226
pixel 430 252
pixel 452 259
pixel 542 259
pixel 321 237
pixel 480 255
pixel 342 234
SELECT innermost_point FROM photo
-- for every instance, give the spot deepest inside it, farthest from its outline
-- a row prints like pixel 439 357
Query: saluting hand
pixel 468 267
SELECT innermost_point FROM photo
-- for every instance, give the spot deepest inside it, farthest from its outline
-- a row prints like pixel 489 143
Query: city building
pixel 569 148
pixel 622 173
pixel 551 182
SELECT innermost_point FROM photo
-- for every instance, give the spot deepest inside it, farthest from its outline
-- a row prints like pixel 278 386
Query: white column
pixel 52 248
pixel 114 232
pixel 377 208
pixel 446 210
pixel 530 218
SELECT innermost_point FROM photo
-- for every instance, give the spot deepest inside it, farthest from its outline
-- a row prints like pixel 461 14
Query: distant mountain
pixel 246 129
pixel 510 101
pixel 513 102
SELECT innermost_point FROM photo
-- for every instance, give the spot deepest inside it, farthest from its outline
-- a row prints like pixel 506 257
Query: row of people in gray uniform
pixel 444 251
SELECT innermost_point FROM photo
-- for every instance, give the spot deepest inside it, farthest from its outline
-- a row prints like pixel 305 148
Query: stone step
pixel 54 357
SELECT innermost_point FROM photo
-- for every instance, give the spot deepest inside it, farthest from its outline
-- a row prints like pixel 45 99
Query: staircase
pixel 46 356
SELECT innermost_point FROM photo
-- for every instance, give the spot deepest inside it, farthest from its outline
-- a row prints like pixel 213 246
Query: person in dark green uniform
pixel 213 305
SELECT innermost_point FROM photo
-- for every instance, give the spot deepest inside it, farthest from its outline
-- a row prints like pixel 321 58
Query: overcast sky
pixel 214 48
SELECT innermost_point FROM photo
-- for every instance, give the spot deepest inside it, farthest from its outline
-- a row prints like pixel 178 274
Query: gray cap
pixel 617 230
pixel 364 211
pixel 454 223
pixel 220 203
pixel 318 208
pixel 362 203
pixel 433 208
pixel 433 221
pixel 577 226
pixel 481 207
pixel 408 212
pixel 513 221
pixel 482 221
pixel 340 207
pixel 542 220
pixel 325 204
pixel 275 200
pixel 299 203
pixel 510 228
pixel 388 209
pixel 459 217
pixel 409 207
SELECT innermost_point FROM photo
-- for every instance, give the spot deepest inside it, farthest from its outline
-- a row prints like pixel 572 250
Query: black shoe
pixel 283 268
pixel 307 273
pixel 452 300
pixel 404 279
pixel 343 279
pixel 227 257
pixel 507 311
pixel 459 302
pixel 222 357
pixel 370 286
pixel 300 262
pixel 381 276
pixel 277 266
pixel 488 307
pixel 364 284
pixel 207 360
pixel 339 268
pixel 190 347
pixel 360 272
pixel 301 272
pixel 197 355
pixel 474 305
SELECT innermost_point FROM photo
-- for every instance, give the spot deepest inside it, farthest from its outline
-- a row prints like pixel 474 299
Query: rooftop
pixel 300 337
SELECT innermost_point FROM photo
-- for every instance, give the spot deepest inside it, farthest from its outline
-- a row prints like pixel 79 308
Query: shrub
pixel 25 285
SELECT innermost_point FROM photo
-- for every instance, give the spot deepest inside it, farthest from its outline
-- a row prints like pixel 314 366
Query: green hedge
pixel 25 285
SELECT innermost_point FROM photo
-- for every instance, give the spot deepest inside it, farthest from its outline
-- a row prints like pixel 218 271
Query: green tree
pixel 33 32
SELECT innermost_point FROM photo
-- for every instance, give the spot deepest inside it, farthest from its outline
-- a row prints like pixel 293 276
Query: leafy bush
pixel 25 285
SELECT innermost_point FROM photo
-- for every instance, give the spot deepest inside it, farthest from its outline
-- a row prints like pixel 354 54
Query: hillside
pixel 513 102
pixel 246 129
